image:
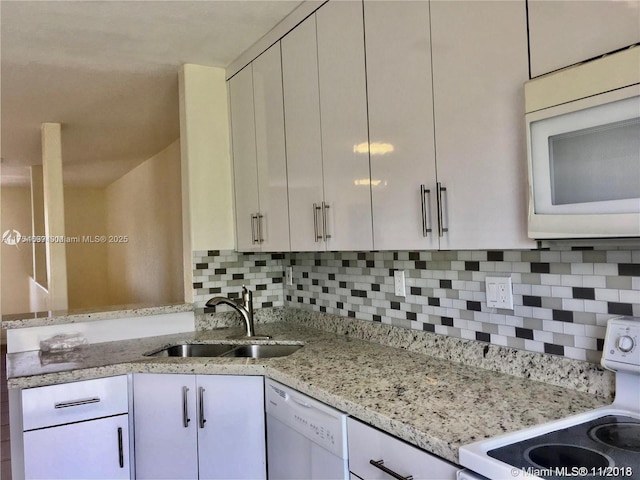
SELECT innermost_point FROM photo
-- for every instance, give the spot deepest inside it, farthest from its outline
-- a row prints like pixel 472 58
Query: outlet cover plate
pixel 399 283
pixel 499 292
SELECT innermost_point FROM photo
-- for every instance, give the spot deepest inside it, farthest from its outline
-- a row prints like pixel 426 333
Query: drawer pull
pixel 380 464
pixel 76 403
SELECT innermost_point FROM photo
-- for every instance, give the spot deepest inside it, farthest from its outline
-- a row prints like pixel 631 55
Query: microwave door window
pixel 595 164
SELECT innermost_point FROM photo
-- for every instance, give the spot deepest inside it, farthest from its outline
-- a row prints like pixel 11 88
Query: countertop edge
pixel 40 319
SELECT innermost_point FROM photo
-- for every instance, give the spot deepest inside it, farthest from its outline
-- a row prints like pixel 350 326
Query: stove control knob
pixel 625 343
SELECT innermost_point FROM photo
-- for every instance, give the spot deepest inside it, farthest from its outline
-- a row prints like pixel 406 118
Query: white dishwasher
pixel 305 438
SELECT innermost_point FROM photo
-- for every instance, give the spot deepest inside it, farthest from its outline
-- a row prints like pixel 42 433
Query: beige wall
pixel 16 260
pixel 145 206
pixel 86 216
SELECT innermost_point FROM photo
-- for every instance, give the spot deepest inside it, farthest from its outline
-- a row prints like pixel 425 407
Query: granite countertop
pixel 435 404
pixel 39 319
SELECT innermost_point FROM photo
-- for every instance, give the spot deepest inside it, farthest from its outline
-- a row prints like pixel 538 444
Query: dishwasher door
pixel 305 438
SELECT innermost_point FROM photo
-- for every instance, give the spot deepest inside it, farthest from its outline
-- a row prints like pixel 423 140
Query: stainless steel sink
pixel 225 350
pixel 262 351
pixel 193 350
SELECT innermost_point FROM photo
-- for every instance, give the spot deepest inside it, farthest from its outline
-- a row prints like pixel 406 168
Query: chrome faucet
pixel 244 307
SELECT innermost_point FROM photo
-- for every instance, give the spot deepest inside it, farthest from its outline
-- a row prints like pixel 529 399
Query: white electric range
pixel 601 443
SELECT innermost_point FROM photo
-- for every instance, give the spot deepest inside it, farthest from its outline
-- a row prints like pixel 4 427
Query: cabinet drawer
pixel 366 444
pixel 74 402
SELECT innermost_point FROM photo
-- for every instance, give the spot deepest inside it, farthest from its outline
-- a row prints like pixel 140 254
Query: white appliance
pixel 583 141
pixel 601 443
pixel 306 439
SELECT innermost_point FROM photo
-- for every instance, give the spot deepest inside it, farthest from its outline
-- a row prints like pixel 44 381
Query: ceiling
pixel 108 72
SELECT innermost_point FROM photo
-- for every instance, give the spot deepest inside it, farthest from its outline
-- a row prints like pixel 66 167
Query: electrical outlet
pixel 499 292
pixel 288 273
pixel 399 285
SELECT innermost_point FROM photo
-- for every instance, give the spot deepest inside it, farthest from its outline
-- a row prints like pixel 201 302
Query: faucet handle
pixel 247 297
pixel 247 300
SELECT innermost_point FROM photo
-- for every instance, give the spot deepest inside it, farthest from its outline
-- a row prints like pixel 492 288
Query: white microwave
pixel 583 141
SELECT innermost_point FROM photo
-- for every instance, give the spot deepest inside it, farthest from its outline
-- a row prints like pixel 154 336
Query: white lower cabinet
pixel 392 457
pixel 77 430
pixel 199 427
pixel 91 449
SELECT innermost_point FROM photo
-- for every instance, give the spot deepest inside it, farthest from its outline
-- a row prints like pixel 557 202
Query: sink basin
pixel 193 350
pixel 262 351
pixel 225 350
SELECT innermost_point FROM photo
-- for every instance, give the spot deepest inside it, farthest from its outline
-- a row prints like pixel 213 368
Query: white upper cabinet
pixel 259 158
pixel 403 169
pixel 446 110
pixel 245 172
pixel 326 129
pixel 302 126
pixel 270 151
pixel 564 32
pixel 479 68
pixel 343 112
pixel 421 146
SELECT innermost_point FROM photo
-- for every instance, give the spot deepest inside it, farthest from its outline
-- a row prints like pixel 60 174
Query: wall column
pixel 207 204
pixel 37 226
pixel 51 134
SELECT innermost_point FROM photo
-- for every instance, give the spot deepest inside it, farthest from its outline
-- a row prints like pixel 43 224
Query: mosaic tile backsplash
pixel 223 273
pixel 562 298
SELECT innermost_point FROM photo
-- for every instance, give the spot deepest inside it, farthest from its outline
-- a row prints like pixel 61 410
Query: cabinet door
pixel 302 127
pixel 343 113
pixel 400 97
pixel 479 68
pixel 270 151
pixel 245 172
pixel 84 450
pixel 164 447
pixel 562 33
pixel 231 440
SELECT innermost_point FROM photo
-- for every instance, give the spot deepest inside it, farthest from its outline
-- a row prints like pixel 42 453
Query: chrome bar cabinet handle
pixel 77 403
pixel 253 229
pixel 424 199
pixel 201 420
pixel 325 208
pixel 316 227
pixel 260 238
pixel 185 408
pixel 120 448
pixel 380 464
pixel 441 228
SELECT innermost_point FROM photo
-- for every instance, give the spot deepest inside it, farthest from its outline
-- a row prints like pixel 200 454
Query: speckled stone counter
pixel 40 319
pixel 430 402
